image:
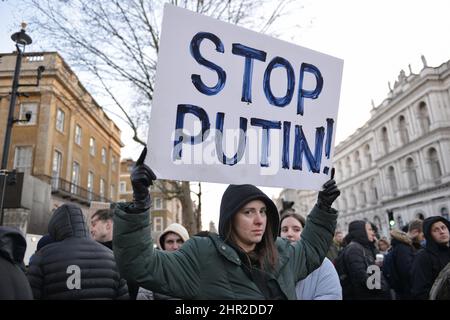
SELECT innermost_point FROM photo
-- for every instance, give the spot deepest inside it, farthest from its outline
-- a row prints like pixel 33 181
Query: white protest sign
pixel 235 106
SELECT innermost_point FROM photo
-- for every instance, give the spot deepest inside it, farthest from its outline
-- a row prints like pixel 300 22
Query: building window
pixel 348 167
pixel 75 178
pixel 158 224
pixel 385 140
pixel 444 213
pixel 78 135
pixel 424 118
pixel 392 180
pixel 113 163
pixel 30 108
pixel 23 158
pixel 102 189
pixel 368 155
pixel 435 166
pixel 403 130
pixel 373 187
pixel 123 187
pixel 362 195
pixel 399 221
pixel 90 184
pixel 412 174
pixel 378 224
pixel 92 146
pixel 357 161
pixel 104 155
pixel 112 192
pixel 158 204
pixel 60 115
pixel 56 169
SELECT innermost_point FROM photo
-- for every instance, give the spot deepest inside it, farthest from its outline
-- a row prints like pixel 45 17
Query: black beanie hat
pixel 237 196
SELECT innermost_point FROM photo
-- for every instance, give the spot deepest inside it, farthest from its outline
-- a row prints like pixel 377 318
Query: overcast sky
pixel 376 39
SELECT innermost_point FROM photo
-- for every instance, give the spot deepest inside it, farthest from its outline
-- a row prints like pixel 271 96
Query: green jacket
pixel 208 268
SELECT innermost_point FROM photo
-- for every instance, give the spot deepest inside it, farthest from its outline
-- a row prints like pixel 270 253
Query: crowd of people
pixel 258 253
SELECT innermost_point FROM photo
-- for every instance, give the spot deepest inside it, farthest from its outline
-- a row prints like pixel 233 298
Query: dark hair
pixel 295 215
pixel 103 214
pixel 415 225
pixel 264 250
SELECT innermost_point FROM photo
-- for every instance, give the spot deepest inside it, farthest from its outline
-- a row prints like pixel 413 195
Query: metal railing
pixel 70 190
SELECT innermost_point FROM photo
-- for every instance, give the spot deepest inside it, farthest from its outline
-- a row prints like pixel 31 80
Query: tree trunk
pixel 189 220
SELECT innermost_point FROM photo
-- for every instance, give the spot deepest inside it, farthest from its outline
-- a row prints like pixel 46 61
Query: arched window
pixel 348 167
pixel 373 188
pixel 412 174
pixel 392 180
pixel 444 213
pixel 420 216
pixel 385 139
pixel 403 130
pixel 435 166
pixel 362 195
pixel 368 155
pixel 377 222
pixel 424 118
pixel 357 162
pixel 399 221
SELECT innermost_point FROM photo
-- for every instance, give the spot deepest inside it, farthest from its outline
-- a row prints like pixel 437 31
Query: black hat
pixel 237 196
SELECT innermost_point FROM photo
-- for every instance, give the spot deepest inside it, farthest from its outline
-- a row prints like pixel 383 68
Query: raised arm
pixel 309 252
pixel 172 273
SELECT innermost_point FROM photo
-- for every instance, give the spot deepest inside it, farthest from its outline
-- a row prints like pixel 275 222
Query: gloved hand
pixel 329 193
pixel 141 179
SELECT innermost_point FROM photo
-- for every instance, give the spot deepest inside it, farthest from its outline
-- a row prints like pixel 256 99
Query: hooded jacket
pixel 358 255
pixel 429 261
pixel 173 228
pixel 13 281
pixel 208 267
pixel 403 253
pixel 74 266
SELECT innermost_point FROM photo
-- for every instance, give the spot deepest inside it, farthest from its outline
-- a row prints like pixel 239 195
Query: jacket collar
pixel 224 249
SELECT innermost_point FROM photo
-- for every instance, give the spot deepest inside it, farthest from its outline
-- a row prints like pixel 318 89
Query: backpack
pixel 339 263
pixel 390 271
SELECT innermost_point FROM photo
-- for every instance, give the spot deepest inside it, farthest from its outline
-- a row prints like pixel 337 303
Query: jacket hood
pixel 12 245
pixel 401 236
pixel 237 196
pixel 68 221
pixel 357 232
pixel 174 228
pixel 427 224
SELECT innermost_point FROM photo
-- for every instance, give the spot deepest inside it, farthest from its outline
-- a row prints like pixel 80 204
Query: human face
pixel 101 230
pixel 249 225
pixel 440 233
pixel 291 229
pixel 383 246
pixel 338 237
pixel 370 232
pixel 172 242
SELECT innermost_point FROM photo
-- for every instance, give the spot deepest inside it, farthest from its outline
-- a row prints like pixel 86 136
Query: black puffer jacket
pixel 13 282
pixel 357 256
pixel 56 268
pixel 429 261
pixel 403 254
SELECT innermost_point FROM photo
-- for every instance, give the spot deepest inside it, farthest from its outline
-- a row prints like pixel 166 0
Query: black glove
pixel 329 193
pixel 141 179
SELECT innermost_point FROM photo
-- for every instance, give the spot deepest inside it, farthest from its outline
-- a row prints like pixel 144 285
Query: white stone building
pixel 399 160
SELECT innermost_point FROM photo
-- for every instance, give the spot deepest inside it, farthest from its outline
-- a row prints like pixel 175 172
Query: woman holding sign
pixel 246 260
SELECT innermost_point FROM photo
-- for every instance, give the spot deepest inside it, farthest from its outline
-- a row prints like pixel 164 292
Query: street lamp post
pixel 21 39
